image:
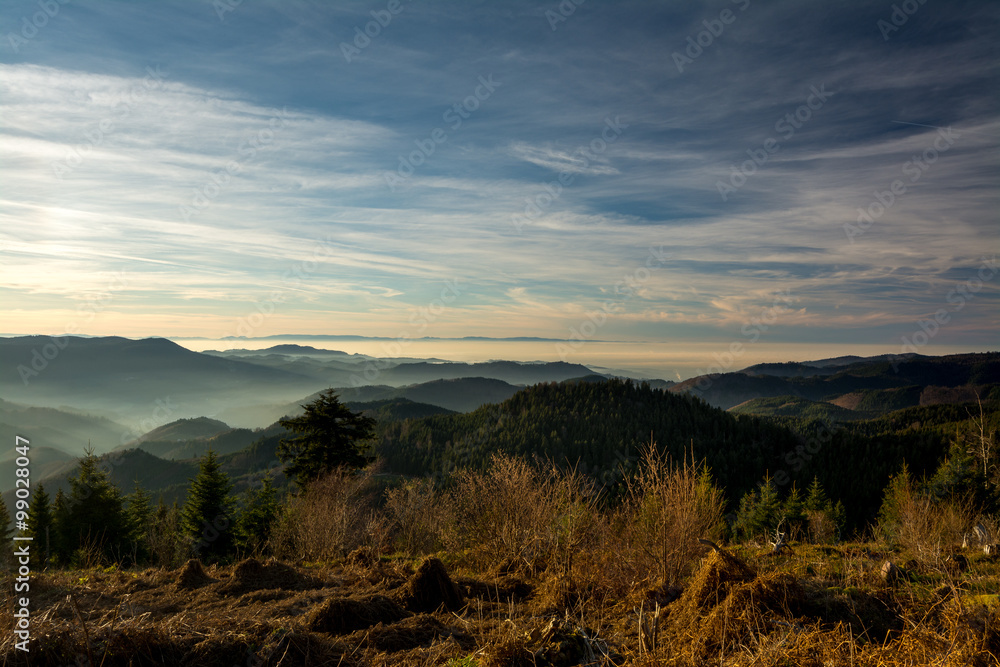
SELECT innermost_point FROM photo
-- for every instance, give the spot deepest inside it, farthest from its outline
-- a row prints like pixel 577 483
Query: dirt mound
pixel 275 649
pixel 363 557
pixel 409 633
pixel 430 588
pixel 341 616
pixel 719 573
pixel 252 575
pixel 661 596
pixel 726 603
pixel 559 644
pixel 503 589
pixel 218 650
pixel 193 575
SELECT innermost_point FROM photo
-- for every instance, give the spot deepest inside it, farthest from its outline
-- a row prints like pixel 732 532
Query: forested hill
pixel 597 425
pixel 601 426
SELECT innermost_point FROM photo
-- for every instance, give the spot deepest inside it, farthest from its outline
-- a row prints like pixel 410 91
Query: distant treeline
pixel 600 427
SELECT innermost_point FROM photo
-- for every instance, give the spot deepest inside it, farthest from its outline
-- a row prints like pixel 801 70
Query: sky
pixel 785 176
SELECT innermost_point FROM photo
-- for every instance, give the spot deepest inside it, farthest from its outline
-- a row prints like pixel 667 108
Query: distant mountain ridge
pixel 132 378
pixel 595 425
pixel 873 385
pixel 146 382
pixel 185 429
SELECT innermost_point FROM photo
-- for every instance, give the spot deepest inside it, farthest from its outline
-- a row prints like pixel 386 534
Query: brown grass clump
pixel 430 588
pixel 341 616
pixel 193 575
pixel 557 644
pixel 726 604
pixel 252 575
pixel 719 572
pixel 508 651
pixel 409 633
pixel 219 650
pixel 501 589
pixel 363 557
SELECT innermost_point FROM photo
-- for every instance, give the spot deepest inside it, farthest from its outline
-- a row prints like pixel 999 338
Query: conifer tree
pixel 816 498
pixel 793 510
pixel 330 435
pixel 40 527
pixel 760 510
pixel 60 528
pixel 207 516
pixel 96 520
pixel 899 494
pixel 255 521
pixel 164 534
pixel 139 514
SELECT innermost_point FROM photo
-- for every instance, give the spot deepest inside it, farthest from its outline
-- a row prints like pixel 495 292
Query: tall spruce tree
pixel 60 528
pixel 898 495
pixel 139 515
pixel 793 511
pixel 816 498
pixel 96 525
pixel 255 521
pixel 207 516
pixel 40 527
pixel 760 510
pixel 330 435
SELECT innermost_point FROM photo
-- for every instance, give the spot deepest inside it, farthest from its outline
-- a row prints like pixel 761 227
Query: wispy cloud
pixel 560 161
pixel 210 204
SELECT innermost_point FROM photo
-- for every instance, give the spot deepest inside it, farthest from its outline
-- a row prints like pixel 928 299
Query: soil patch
pixel 252 575
pixel 409 633
pixel 430 588
pixel 341 616
pixel 193 575
pixel 503 589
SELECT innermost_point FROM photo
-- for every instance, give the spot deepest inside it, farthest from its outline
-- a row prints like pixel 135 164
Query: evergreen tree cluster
pixel 600 427
pixel 96 524
pixel 861 473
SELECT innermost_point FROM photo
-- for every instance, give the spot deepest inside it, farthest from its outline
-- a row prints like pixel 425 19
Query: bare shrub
pixel 668 508
pixel 334 515
pixel 573 520
pixel 165 546
pixel 925 528
pixel 518 516
pixel 418 515
pixel 821 527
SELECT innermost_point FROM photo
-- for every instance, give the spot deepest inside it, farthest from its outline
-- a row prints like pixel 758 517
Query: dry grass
pixel 516 517
pixel 333 516
pixel 534 574
pixel 417 516
pixel 821 606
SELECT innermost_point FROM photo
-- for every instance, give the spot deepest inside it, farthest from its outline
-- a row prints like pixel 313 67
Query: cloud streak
pixel 193 188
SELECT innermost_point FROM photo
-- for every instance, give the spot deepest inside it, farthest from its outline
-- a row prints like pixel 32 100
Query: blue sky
pixel 206 169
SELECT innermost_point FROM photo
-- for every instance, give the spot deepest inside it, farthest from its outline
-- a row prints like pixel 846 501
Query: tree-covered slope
pixel 597 426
